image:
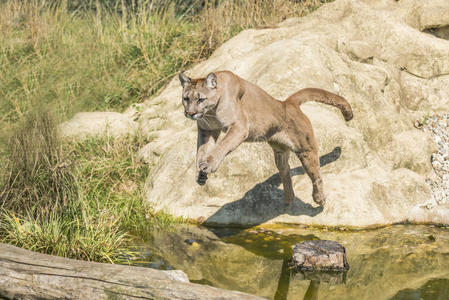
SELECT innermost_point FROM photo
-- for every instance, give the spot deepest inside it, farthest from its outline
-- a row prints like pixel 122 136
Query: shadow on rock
pixel 265 201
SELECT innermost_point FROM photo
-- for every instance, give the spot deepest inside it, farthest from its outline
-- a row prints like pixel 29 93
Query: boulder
pixel 377 54
pixel 96 124
pixel 437 214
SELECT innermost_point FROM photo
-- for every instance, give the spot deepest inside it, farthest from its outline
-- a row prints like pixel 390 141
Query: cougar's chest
pixel 210 123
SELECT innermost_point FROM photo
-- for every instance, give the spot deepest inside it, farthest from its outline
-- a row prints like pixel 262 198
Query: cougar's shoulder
pixel 230 84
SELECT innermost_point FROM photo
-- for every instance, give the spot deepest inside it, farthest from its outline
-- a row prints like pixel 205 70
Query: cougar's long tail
pixel 319 95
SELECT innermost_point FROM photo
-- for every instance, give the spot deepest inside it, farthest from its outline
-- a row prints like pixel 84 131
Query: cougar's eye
pixel 186 99
pixel 200 100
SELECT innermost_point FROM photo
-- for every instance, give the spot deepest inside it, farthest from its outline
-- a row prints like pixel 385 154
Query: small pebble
pixel 189 241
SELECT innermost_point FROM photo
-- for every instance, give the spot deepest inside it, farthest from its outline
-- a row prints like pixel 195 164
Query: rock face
pixel 29 275
pixel 377 54
pixel 321 255
pixel 98 124
pixel 389 59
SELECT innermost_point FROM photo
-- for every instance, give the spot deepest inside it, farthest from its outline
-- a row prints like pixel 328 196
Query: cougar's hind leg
pixel 281 155
pixel 311 164
pixel 306 148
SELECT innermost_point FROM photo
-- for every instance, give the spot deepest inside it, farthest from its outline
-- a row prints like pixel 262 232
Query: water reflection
pixel 435 289
pixel 274 246
pixel 312 291
pixel 271 245
pixel 284 281
pixel 391 263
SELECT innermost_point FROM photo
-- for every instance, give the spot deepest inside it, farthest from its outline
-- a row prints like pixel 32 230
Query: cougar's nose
pixel 190 113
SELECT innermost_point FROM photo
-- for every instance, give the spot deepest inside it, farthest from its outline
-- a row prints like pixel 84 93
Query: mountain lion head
pixel 199 96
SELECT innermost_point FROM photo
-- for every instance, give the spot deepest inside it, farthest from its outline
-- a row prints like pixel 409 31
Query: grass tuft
pixel 65 237
pixel 38 178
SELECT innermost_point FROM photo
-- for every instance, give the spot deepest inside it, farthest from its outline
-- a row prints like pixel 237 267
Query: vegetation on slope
pixel 84 199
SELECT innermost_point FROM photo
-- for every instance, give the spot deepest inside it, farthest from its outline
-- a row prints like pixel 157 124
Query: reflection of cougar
pixel 225 102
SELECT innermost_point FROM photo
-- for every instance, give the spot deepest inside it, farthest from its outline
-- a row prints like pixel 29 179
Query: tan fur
pixel 225 102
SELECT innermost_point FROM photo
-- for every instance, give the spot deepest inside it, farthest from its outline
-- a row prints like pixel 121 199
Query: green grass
pixel 77 238
pixel 84 199
pixel 80 199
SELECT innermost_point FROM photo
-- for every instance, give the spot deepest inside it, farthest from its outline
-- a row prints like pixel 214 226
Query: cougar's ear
pixel 211 81
pixel 184 79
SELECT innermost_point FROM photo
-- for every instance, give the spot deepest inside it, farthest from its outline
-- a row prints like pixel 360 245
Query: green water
pixel 397 262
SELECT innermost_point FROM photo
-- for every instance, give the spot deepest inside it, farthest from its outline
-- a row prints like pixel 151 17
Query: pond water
pixel 395 262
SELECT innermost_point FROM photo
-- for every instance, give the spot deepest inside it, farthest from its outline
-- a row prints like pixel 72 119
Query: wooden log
pixel 319 255
pixel 29 275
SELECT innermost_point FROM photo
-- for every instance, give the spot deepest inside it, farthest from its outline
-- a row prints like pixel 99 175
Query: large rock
pixel 95 124
pixel 383 56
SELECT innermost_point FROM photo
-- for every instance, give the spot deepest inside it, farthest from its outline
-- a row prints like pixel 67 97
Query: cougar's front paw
pixel 202 178
pixel 209 164
pixel 319 199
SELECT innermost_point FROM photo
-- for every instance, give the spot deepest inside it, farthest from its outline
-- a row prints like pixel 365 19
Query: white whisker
pixel 211 116
pixel 206 121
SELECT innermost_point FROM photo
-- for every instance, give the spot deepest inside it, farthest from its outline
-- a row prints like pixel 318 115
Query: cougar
pixel 224 102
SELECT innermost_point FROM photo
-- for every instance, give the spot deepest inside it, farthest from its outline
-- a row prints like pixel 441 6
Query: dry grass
pixel 224 19
pixel 38 178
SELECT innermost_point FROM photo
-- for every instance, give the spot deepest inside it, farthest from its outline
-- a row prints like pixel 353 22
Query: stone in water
pixel 319 255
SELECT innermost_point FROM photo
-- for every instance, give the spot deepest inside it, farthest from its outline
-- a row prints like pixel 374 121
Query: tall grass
pixel 89 60
pixel 38 178
pixel 84 199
